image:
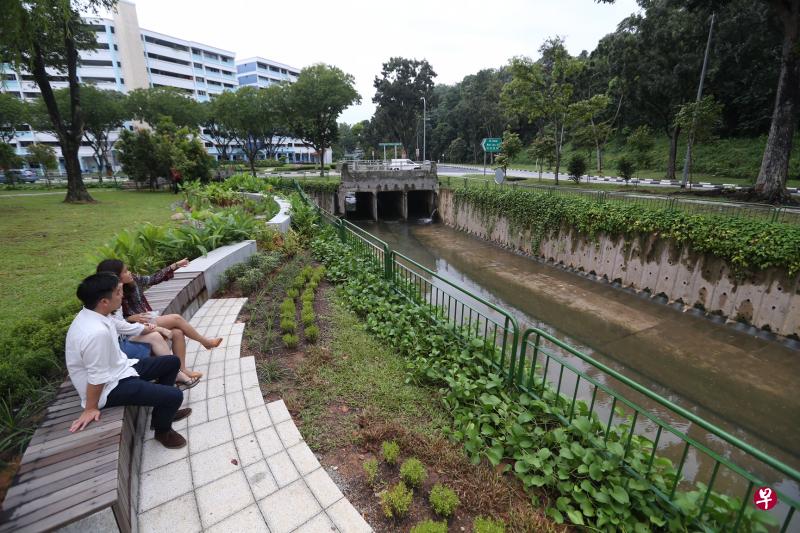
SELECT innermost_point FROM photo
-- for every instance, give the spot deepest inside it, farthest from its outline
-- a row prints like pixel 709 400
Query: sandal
pixel 183 385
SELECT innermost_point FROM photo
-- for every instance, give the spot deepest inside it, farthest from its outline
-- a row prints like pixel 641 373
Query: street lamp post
pixel 424 116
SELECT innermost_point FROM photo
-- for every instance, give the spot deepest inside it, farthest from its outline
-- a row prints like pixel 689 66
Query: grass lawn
pixel 47 244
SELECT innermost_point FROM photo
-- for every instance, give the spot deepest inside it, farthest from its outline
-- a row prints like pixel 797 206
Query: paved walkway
pixel 246 467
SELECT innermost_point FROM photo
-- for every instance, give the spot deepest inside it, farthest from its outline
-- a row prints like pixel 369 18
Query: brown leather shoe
pixel 180 414
pixel 170 439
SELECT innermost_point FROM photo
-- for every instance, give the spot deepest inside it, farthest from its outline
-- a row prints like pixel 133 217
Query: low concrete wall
pixel 218 261
pixel 283 220
pixel 769 299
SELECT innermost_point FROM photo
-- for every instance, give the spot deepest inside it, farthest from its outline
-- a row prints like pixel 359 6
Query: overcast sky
pixel 457 37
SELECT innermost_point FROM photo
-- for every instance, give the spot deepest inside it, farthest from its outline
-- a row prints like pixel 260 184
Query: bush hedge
pixel 748 245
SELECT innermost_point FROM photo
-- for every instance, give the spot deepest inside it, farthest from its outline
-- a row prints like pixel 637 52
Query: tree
pixel 771 181
pixel 316 100
pixel 12 115
pixel 8 157
pixel 576 167
pixel 543 150
pixel 257 119
pixel 103 112
pixel 152 105
pixel 511 146
pixel 398 95
pixel 641 143
pixel 457 151
pixel 44 156
pixel 543 90
pixel 148 155
pixel 37 35
pixel 588 115
pixel 626 168
pixel 701 119
pixel 217 114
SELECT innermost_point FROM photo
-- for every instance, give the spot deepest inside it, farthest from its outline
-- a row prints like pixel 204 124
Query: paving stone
pixel 205 436
pixel 235 402
pixel 288 508
pixel 289 433
pixel 248 519
pixel 278 412
pixel 202 358
pixel 319 524
pixel 232 352
pixel 250 380
pixel 259 417
pixel 164 484
pixel 346 518
pixel 269 441
pixel 323 487
pixel 217 408
pixel 216 386
pixel 240 424
pixel 249 449
pixel 199 414
pixel 232 367
pixel 214 463
pixel 248 364
pixel 234 340
pixel 154 454
pixel 260 478
pixel 177 516
pixel 253 397
pixel 222 498
pixel 303 458
pixel 199 392
pixel 282 469
pixel 232 384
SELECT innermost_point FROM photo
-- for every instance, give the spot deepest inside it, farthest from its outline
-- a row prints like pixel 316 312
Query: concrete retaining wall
pixel 769 299
pixel 218 261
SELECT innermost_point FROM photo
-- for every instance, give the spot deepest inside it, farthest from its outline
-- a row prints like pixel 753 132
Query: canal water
pixel 743 384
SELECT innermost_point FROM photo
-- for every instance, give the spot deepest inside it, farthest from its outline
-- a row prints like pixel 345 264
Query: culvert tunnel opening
pixel 390 205
pixel 362 210
pixel 420 204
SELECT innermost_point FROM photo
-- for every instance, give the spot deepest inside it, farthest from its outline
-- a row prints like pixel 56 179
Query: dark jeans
pixel 162 395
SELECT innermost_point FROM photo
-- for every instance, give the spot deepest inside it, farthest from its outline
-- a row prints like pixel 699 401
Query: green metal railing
pixel 536 362
pixel 693 206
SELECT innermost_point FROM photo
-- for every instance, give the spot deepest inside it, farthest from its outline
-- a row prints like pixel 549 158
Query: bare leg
pixel 177 321
pixel 179 349
pixel 159 346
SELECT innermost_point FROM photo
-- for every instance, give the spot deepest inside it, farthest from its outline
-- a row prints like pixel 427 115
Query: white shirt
pixel 93 355
pixel 125 328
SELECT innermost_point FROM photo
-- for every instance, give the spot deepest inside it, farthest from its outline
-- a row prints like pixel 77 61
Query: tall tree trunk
pixel 771 182
pixel 76 190
pixel 673 152
pixel 321 152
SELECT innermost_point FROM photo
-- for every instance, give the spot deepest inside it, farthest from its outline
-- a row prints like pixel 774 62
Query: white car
pixel 403 164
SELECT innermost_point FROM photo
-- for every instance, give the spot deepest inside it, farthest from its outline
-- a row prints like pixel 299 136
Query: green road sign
pixel 491 144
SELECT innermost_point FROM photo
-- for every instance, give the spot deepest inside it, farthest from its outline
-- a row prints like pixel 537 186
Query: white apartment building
pixel 128 57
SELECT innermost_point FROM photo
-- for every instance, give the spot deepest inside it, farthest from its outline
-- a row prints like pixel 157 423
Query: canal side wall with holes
pixel 769 299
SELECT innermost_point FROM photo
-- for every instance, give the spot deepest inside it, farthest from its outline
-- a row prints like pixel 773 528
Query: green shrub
pixel 625 168
pixel 487 525
pixel 287 305
pixel 288 326
pixel 290 340
pixel 292 293
pixel 312 286
pixel 308 318
pixel 371 470
pixel 249 281
pixel 312 334
pixel 443 500
pixel 429 526
pixel 396 501
pixel 413 472
pixel 391 451
pixel 576 167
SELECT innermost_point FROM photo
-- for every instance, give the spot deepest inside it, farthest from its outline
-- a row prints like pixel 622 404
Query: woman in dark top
pixel 135 307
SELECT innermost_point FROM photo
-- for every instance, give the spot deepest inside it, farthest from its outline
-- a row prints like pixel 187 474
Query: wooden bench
pixel 63 476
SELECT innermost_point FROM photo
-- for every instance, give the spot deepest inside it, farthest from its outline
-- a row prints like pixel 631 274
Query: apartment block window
pixel 200 79
pixel 30 95
pixel 167 59
pixel 228 85
pixel 112 29
pixel 225 59
pixel 216 83
pixel 168 44
pixel 170 74
pixel 212 69
pixel 197 65
pixel 92 79
pixel 96 63
pixel 116 47
pixel 209 55
pixel 201 93
pixel 9 77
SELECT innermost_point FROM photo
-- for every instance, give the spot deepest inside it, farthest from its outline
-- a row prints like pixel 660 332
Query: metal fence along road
pixel 533 362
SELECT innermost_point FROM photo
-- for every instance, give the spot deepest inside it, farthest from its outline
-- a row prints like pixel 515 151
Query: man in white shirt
pixel 105 377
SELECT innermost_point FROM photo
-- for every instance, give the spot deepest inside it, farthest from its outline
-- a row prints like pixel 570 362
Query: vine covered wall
pixel 745 270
